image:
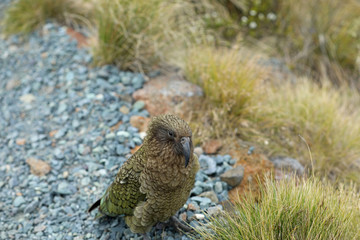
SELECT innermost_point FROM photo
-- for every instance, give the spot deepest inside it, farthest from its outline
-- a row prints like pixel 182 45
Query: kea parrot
pixel 155 182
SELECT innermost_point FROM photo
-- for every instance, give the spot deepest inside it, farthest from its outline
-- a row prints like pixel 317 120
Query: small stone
pixel 201 199
pixel 211 195
pixel 69 77
pixel 39 228
pixel 213 211
pixel 61 109
pixel 251 150
pixel 234 176
pixel 65 174
pixel 31 206
pixel 60 133
pixel 199 216
pixel 85 181
pixel 208 163
pixel 13 83
pixel 98 150
pixel 212 146
pixel 138 105
pixel 123 134
pixel 218 187
pixel 58 154
pixel 124 109
pixel 198 151
pixel 64 188
pixel 52 133
pixel 20 141
pixel 289 164
pixel 110 135
pixel 38 167
pixel 183 216
pixel 83 149
pixel 196 191
pixel 103 73
pixel 27 98
pixel 192 207
pixel 18 201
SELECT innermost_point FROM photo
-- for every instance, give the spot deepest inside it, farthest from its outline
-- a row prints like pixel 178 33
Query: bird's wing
pixel 124 194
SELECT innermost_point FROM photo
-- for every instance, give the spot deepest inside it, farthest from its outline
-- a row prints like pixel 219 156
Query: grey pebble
pixel 31 206
pixel 19 200
pixel 59 154
pixel 201 199
pixel 65 188
pixel 218 187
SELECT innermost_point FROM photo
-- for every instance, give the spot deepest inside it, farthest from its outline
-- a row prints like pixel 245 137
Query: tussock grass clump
pixel 229 78
pixel 26 15
pixel 326 117
pixel 141 34
pixel 291 209
pixel 128 33
pixel 240 104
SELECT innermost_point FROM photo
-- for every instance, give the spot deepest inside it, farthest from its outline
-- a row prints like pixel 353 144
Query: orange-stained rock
pixel 192 207
pixel 134 149
pixel 169 94
pixel 20 141
pixel 80 38
pixel 256 168
pixel 38 167
pixel 212 146
pixel 116 126
pixel 183 216
pixel 53 132
pixel 140 122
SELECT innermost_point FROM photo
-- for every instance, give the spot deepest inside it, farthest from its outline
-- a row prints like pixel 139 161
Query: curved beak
pixel 185 142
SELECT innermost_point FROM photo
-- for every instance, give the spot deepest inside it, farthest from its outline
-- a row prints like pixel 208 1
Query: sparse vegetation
pixel 210 40
pixel 274 114
pixel 25 15
pixel 230 78
pixel 290 209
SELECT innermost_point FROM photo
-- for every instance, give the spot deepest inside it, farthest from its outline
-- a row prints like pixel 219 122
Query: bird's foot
pixel 175 223
pixel 179 226
pixel 145 236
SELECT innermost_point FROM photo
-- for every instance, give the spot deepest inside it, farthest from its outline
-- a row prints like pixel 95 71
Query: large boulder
pixel 169 94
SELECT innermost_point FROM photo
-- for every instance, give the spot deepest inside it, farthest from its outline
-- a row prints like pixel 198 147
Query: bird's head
pixel 170 133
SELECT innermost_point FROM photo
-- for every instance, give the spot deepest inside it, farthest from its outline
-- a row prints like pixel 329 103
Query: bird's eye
pixel 171 134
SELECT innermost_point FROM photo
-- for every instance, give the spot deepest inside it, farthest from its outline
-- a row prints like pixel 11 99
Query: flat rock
pixel 18 201
pixel 211 195
pixel 38 167
pixel 214 211
pixel 39 228
pixel 20 141
pixel 27 98
pixel 288 164
pixel 13 83
pixel 65 188
pixel 212 146
pixel 168 94
pixel 234 176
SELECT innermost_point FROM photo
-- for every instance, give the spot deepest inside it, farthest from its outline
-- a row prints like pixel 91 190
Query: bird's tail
pixel 95 205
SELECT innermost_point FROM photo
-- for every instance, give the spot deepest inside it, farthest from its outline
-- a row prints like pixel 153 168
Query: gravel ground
pixel 57 109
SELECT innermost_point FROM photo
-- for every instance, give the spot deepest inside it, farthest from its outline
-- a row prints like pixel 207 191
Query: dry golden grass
pixel 25 15
pixel 272 114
